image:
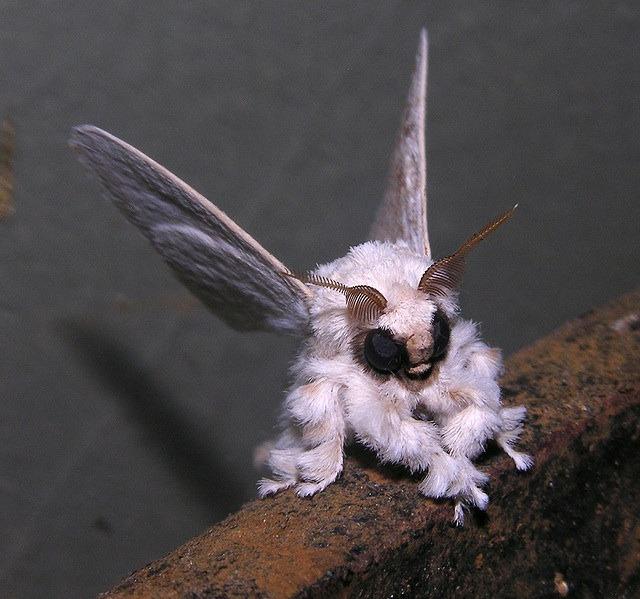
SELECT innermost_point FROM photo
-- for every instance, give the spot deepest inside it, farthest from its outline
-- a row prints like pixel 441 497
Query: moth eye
pixel 441 332
pixel 381 352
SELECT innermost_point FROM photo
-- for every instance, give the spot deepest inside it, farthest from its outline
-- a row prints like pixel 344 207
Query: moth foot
pixel 523 461
pixel 441 475
pixel 458 513
pixel 307 489
pixel 512 427
pixel 474 497
pixel 455 477
pixel 460 479
pixel 480 501
pixel 269 486
pixel 467 486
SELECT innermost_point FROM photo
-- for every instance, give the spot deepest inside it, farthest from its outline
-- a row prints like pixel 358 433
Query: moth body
pixel 434 419
pixel 386 359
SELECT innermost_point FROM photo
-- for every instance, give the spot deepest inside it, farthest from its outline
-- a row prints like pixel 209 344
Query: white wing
pixel 218 261
pixel 403 213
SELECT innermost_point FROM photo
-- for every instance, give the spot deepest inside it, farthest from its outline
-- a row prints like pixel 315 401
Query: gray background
pixel 128 413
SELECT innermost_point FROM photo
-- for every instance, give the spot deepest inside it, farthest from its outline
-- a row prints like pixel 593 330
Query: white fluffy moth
pixel 386 360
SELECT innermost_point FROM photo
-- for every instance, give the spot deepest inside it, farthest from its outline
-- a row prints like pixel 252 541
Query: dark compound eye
pixel 381 352
pixel 441 332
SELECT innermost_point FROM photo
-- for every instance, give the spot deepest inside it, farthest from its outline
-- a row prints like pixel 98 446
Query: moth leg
pixel 512 419
pixel 317 412
pixel 464 436
pixel 310 453
pixel 389 429
pixel 486 362
pixel 282 463
pixel 320 466
pixel 418 445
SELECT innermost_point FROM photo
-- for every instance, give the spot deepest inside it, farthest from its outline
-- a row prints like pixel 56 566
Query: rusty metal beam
pixel 569 526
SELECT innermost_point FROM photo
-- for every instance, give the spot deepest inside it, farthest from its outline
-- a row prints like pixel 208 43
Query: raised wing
pixel 403 213
pixel 216 259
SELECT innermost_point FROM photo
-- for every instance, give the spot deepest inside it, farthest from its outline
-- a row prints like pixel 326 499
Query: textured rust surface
pixel 7 143
pixel 568 527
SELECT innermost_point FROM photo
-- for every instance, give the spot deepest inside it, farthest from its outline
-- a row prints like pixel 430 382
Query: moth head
pixel 402 337
pixel 408 340
pixel 406 333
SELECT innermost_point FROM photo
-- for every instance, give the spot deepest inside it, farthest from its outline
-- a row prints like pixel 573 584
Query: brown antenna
pixel 363 302
pixel 445 275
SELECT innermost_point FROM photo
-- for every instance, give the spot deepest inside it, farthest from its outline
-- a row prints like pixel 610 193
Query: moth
pixel 385 360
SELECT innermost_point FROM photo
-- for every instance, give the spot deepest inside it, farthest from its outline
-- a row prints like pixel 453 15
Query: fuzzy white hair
pixel 438 425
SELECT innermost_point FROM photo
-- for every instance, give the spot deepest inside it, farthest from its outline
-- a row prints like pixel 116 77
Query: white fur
pixel 334 398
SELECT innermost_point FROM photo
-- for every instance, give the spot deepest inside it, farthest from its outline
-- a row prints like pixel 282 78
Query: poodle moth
pixel 386 360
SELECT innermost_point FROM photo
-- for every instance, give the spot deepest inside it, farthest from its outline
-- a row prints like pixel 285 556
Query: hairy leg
pixel 310 453
pixel 465 435
pixel 512 419
pixel 387 426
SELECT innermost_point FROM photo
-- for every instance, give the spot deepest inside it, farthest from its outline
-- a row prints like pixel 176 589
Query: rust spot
pixel 7 144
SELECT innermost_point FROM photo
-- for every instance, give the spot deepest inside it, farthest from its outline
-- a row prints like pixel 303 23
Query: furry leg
pixel 464 436
pixel 512 419
pixel 389 428
pixel 310 455
pixel 320 466
pixel 282 463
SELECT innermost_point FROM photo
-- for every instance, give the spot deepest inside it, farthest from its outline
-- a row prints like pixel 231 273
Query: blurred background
pixel 128 413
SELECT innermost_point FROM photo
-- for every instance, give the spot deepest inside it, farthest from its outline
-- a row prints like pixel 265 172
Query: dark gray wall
pixel 128 413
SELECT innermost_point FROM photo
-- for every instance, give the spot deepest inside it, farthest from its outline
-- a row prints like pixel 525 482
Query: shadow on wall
pixel 154 412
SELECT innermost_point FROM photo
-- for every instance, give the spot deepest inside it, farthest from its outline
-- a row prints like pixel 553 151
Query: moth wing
pixel 403 213
pixel 216 259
